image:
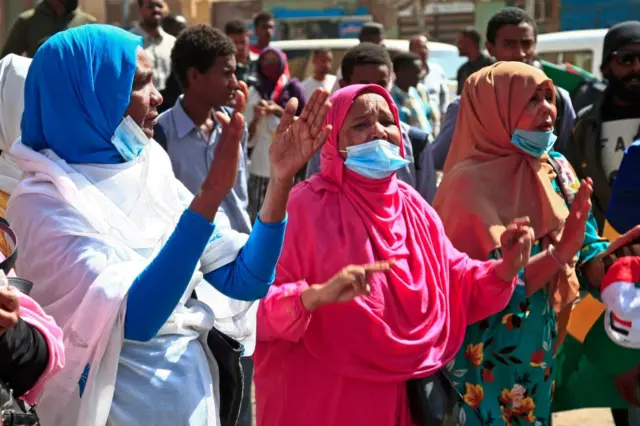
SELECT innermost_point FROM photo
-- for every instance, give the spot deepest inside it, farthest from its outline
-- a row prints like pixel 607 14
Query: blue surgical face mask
pixel 129 139
pixel 533 142
pixel 377 159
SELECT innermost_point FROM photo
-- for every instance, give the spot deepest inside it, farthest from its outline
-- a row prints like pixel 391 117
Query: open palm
pixel 297 139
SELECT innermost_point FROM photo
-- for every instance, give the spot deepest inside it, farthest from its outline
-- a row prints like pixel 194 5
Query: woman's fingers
pixel 241 99
pixel 321 139
pixel 306 111
pixel 288 117
pixel 223 118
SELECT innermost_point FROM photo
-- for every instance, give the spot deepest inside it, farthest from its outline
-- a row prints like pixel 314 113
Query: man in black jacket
pixel 604 129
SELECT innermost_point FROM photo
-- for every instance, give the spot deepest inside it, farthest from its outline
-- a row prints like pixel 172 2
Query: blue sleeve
pixel 426 176
pixel 442 143
pixel 252 273
pixel 155 293
pixel 624 207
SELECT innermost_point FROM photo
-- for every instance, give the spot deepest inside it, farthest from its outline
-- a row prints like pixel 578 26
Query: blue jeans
pixel 246 410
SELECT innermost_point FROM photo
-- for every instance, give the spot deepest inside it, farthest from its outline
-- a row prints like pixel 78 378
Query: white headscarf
pixel 13 72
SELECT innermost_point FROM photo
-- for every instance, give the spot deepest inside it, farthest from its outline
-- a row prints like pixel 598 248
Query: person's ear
pixel 491 48
pixel 192 76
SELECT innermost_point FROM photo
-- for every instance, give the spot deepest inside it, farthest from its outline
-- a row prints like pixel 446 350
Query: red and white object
pixel 621 294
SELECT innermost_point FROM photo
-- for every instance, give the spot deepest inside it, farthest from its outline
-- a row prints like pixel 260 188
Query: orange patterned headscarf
pixel 488 181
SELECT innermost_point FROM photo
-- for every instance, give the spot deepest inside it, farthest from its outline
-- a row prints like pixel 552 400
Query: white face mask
pixel 129 139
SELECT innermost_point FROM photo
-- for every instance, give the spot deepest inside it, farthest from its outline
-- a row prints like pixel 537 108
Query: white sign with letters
pixel 616 136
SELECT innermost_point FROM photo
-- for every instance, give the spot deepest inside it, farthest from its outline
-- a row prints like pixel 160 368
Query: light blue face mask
pixel 129 139
pixel 533 142
pixel 377 159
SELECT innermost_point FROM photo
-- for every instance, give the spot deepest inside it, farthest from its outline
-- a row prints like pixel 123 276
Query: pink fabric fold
pixel 33 315
pixel 348 363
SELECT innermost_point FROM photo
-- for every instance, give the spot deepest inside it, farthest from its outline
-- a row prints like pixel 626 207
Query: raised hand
pixel 224 168
pixel 346 285
pixel 296 140
pixel 575 227
pixel 515 243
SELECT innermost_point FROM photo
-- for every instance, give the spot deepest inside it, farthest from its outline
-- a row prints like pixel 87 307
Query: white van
pixel 299 54
pixel 580 48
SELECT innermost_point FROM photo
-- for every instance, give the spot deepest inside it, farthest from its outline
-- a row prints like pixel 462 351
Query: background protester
pixel 117 262
pixel 369 63
pixel 37 24
pixel 469 46
pixel 406 299
pixel 607 127
pixel 409 95
pixel 265 106
pixel 432 78
pixel 322 60
pixel 157 43
pixel 371 32
pixel 511 36
pixel 238 32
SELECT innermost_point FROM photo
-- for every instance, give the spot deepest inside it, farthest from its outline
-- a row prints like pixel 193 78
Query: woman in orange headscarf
pixel 501 166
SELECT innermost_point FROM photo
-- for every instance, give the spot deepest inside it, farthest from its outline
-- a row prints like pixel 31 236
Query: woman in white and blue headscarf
pixel 112 239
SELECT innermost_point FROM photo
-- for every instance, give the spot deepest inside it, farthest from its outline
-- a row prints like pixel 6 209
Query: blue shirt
pixel 191 154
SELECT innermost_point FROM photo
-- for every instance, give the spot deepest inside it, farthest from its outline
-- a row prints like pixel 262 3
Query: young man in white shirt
pixel 322 60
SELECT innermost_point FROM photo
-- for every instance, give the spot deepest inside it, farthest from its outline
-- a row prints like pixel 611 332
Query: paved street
pixel 594 417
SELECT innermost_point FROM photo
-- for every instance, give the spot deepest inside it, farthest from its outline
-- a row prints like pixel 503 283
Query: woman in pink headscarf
pixel 338 349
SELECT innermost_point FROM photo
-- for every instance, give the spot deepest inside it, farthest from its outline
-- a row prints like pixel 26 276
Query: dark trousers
pixel 246 410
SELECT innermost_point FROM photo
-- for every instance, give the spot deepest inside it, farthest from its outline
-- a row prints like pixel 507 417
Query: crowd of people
pixel 187 212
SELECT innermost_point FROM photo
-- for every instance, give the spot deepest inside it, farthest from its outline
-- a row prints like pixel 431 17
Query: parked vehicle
pixel 581 48
pixel 299 54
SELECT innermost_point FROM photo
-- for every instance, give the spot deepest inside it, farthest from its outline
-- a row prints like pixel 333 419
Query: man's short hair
pixel 371 30
pixel 472 34
pixel 509 16
pixel 320 50
pixel 364 54
pixel 235 27
pixel 404 60
pixel 199 46
pixel 262 18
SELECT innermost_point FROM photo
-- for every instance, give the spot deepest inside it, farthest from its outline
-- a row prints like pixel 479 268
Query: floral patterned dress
pixel 505 369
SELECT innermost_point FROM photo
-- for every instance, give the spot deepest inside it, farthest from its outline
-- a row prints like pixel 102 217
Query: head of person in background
pixel 63 7
pixel 238 32
pixel 407 68
pixel 372 32
pixel 264 27
pixel 151 15
pixel 512 35
pixel 204 62
pixel 419 45
pixel 173 24
pixel 322 61
pixel 621 62
pixel 468 43
pixel 366 63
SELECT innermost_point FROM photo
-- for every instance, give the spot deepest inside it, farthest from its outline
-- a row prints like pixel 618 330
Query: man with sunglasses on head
pixel 604 130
